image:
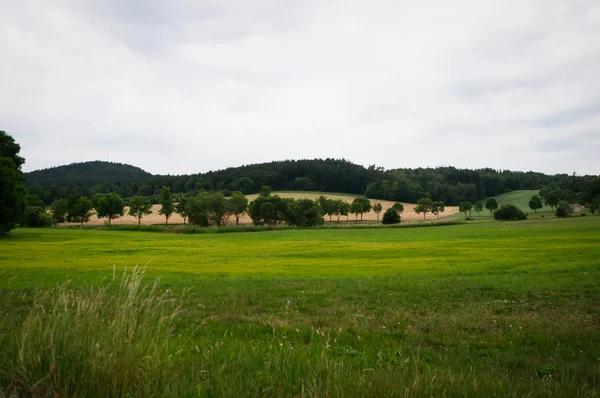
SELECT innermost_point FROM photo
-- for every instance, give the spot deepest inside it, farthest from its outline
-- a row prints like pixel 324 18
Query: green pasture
pixel 478 309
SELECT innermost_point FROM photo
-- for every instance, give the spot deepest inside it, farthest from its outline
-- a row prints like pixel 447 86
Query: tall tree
pixel 140 206
pixel 166 202
pixel 437 207
pixel 377 208
pixel 535 203
pixel 356 208
pixel 59 209
pixel 110 206
pixel 478 207
pixel 238 204
pixel 552 200
pixel 424 205
pixel 181 207
pixel 344 209
pixel 11 183
pixel 81 210
pixel 465 207
pixel 491 205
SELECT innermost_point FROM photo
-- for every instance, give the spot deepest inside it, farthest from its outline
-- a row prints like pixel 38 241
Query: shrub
pixel 563 209
pixel 35 216
pixel 509 212
pixel 391 216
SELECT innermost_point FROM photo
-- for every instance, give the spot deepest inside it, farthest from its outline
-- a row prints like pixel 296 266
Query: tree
pixel 59 209
pixel 535 203
pixel 478 207
pixel 139 207
pixel 35 216
pixel 81 210
pixel 344 209
pixel 30 200
pixel 491 205
pixel 437 207
pixel 265 191
pixel 110 206
pixel 11 183
pixel 391 216
pixel 509 212
pixel 563 209
pixel 592 207
pixel 166 201
pixel 356 208
pixel 424 205
pixel 398 207
pixel 219 208
pixel 465 207
pixel 377 208
pixel 552 200
pixel 366 204
pixel 305 213
pixel 238 204
pixel 181 207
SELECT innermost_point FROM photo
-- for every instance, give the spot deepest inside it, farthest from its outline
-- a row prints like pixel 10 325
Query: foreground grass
pixel 485 309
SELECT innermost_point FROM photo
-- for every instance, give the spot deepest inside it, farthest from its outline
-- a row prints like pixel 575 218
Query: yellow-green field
pixel 480 309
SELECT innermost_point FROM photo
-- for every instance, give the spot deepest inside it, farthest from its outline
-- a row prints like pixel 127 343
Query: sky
pixel 183 86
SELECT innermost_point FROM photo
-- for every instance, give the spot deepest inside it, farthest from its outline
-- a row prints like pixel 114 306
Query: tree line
pixel 208 208
pixel 444 184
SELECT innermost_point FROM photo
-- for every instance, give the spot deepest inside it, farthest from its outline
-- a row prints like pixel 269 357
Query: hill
pixel 448 184
pixel 87 173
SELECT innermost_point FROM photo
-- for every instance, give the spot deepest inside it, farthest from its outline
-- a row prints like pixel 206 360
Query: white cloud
pixel 182 87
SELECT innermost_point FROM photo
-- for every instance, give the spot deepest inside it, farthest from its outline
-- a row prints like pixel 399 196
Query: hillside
pixel 86 173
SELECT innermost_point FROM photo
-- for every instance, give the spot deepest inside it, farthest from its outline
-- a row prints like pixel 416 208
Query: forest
pixel 446 184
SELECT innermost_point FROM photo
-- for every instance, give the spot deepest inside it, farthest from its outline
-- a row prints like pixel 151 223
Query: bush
pixel 35 216
pixel 563 209
pixel 391 216
pixel 509 212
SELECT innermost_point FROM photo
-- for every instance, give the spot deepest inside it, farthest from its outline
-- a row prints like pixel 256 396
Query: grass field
pixel 481 309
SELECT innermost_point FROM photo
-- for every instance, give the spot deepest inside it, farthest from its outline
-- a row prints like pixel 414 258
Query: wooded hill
pixel 448 184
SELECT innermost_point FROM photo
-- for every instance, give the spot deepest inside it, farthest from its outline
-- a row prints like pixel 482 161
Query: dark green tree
pixel 11 183
pixel 140 206
pixel 59 208
pixel 35 216
pixel 509 212
pixel 491 205
pixel 110 206
pixel 166 202
pixel 81 211
pixel 478 207
pixel 535 203
pixel 552 200
pixel 238 204
pixel 592 207
pixel 563 209
pixel 305 213
pixel 391 216
pixel 398 207
pixel 30 200
pixel 465 207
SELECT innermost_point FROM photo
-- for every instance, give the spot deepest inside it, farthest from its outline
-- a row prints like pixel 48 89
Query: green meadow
pixel 477 309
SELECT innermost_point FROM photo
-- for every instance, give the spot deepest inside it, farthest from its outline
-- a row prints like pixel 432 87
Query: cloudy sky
pixel 189 86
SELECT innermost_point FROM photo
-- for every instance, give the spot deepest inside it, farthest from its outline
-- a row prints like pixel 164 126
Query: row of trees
pixel 211 208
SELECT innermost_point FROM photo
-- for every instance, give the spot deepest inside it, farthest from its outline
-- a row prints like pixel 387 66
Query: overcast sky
pixel 189 86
